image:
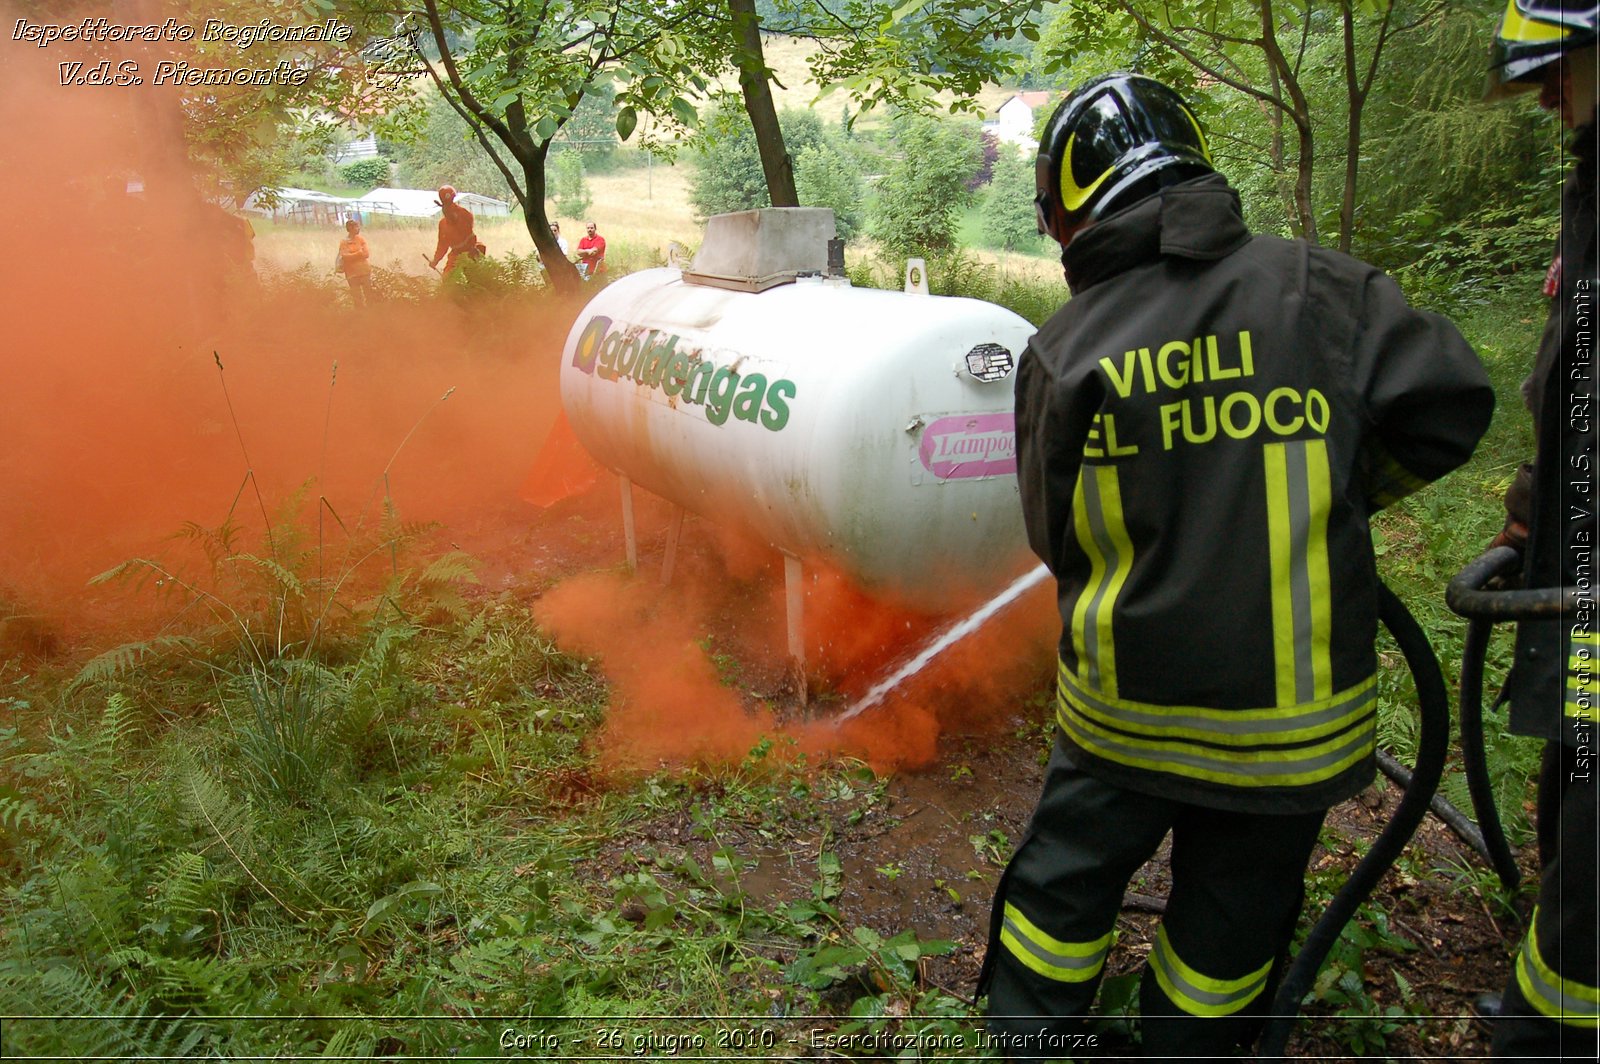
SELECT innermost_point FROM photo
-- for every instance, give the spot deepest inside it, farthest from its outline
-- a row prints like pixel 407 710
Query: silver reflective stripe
pixel 1094 510
pixel 1157 718
pixel 1300 578
pixel 1196 1001
pixel 1299 500
pixel 1550 999
pixel 1278 762
pixel 1087 963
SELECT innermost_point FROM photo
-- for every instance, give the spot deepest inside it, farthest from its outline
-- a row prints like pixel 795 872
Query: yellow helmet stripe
pixel 1073 197
pixel 1526 31
pixel 1205 146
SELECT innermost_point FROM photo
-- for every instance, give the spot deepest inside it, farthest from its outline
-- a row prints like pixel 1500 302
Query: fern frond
pixel 123 659
pixel 352 1042
pixel 182 888
pixel 207 806
pixel 82 1020
pixel 285 579
pixel 456 567
pixel 18 814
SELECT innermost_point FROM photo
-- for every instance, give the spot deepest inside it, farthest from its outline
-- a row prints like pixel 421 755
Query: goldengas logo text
pixel 616 351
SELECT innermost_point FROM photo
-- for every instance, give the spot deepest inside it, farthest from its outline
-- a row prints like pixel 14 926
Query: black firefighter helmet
pixel 1105 138
pixel 1533 34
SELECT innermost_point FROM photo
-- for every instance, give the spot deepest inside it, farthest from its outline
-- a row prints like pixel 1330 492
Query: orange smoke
pixel 152 380
pixel 669 705
pixel 117 307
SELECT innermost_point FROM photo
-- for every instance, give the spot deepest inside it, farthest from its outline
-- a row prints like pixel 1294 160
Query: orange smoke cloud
pixel 120 427
pixel 117 421
pixel 670 706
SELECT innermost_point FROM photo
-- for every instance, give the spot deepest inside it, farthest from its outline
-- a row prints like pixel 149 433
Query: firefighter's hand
pixel 1513 535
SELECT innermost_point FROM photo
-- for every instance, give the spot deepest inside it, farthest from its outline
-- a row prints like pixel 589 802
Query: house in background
pixel 1013 120
pixel 361 148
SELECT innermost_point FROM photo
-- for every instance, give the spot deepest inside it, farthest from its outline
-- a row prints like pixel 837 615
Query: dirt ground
pixel 926 854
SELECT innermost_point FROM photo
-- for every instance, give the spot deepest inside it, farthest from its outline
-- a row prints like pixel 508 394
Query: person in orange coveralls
pixel 455 233
pixel 355 262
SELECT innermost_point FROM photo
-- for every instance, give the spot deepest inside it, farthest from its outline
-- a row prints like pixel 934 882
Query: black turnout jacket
pixel 1554 685
pixel 1202 434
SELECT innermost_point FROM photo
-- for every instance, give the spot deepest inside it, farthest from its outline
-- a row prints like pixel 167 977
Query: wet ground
pixel 922 850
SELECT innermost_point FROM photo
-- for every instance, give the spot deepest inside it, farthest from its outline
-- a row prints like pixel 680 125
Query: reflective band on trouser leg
pixel 1097 520
pixel 1299 499
pixel 1201 995
pixel 1565 1000
pixel 1583 682
pixel 1065 962
pixel 1273 746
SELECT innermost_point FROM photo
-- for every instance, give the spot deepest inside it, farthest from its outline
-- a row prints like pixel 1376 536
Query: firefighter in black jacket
pixel 1202 434
pixel 1549 1008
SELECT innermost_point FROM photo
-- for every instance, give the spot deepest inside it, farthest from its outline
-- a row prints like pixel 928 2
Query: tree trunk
pixel 775 162
pixel 1357 90
pixel 1300 114
pixel 1352 138
pixel 1280 172
pixel 562 273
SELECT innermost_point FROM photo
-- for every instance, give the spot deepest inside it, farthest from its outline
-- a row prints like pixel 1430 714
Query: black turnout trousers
pixel 1238 881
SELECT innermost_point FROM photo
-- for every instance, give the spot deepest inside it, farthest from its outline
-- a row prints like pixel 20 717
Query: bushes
pixel 925 185
pixel 366 173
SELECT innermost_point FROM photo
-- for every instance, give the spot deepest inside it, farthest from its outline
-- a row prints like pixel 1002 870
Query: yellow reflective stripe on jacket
pixel 1564 1000
pixel 1200 995
pixel 1097 519
pixel 1299 499
pixel 1226 727
pixel 1242 748
pixel 1389 481
pixel 1065 962
pixel 1583 681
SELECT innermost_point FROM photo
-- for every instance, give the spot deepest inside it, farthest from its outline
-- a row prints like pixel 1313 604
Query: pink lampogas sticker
pixel 970 445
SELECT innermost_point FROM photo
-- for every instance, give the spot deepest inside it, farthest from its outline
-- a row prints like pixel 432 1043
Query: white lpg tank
pixel 870 429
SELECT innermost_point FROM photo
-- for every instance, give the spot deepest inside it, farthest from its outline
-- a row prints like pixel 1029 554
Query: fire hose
pixel 1469 595
pixel 1434 710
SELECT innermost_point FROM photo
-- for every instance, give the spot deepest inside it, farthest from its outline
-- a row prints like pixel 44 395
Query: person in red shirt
pixel 456 237
pixel 592 252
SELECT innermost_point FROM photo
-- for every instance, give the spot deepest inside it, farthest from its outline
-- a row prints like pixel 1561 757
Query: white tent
pixel 300 205
pixel 424 203
pixel 320 208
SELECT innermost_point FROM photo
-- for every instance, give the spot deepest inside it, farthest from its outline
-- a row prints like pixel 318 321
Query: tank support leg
pixel 794 595
pixel 674 530
pixel 629 539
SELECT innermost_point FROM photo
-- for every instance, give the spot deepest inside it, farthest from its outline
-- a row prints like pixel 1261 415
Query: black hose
pixel 1434 710
pixel 1474 762
pixel 1466 594
pixel 1464 826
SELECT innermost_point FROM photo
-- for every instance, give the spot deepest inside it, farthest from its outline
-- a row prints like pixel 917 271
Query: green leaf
pixel 910 7
pixel 387 904
pixel 684 111
pixel 832 876
pixel 546 128
pixel 627 118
